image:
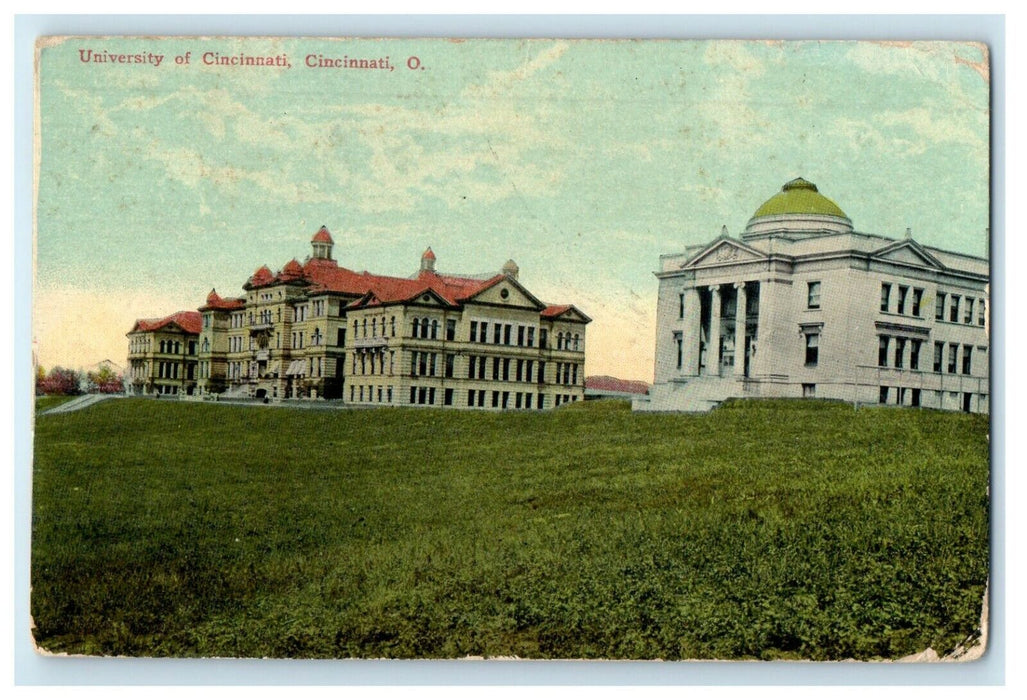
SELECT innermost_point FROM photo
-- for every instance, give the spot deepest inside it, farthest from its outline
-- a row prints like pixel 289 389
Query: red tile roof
pixel 428 254
pixel 606 383
pixel 555 310
pixel 216 302
pixel 322 236
pixel 189 321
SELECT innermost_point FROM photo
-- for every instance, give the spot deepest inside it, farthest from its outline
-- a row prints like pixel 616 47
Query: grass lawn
pixel 790 529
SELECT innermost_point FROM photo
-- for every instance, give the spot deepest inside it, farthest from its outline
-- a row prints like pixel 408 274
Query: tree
pixel 105 381
pixel 60 382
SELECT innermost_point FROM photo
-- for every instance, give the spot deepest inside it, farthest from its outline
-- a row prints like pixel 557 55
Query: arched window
pixel 559 340
pixel 577 339
pixel 392 326
pixel 434 329
pixel 417 327
pixel 374 328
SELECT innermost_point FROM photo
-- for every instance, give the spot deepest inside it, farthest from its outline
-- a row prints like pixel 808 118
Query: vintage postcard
pixel 531 349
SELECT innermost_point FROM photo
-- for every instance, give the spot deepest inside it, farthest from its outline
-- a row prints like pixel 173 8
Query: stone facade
pixel 801 305
pixel 316 330
pixel 162 355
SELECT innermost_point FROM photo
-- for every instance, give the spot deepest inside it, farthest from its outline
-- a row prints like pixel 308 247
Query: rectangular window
pixel 483 332
pixel 885 296
pixel 968 311
pixel 884 395
pixel 448 397
pixel 541 371
pixel 954 308
pixel 915 398
pixel 680 348
pixel 495 399
pixel 939 350
pixel 497 333
pixel 967 359
pixel 914 354
pixel 953 352
pixel 812 349
pixel 543 338
pixel 918 297
pixel 519 371
pixel 449 365
pixel 495 368
pixel 900 351
pixel 471 361
pixel 474 331
pixel 901 398
pixel 507 330
pixel 470 397
pixel 903 293
pixel 812 295
pixel 450 328
pixel 506 370
pixel 939 307
pixel 809 391
pixel 528 367
pixel 882 350
pixel 531 336
pixel 520 335
pixel 681 305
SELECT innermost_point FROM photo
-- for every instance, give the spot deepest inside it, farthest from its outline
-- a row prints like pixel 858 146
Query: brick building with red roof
pixel 318 330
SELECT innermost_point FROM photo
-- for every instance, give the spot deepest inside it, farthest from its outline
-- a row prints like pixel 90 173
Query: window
pixel 885 296
pixel 474 331
pixel 507 330
pixel 884 395
pixel 903 293
pixel 680 349
pixel 471 366
pixel 450 329
pixel 483 332
pixel 449 366
pixel 900 351
pixel 681 305
pixel 882 351
pixel 954 308
pixel 914 354
pixel 812 295
pixel 939 350
pixel 812 349
pixel 531 336
pixel 939 307
pixel 497 333
pixel 918 297
pixel 967 358
pixel 809 391
pixel 953 351
pixel 915 398
pixel 980 312
pixel 520 335
pixel 968 312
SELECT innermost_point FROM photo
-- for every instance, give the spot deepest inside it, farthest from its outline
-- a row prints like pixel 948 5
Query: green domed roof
pixel 799 197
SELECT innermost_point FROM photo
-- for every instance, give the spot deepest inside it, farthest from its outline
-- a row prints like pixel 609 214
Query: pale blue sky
pixel 582 161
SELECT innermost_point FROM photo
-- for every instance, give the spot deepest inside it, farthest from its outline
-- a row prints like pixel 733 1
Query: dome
pixel 800 208
pixel 322 236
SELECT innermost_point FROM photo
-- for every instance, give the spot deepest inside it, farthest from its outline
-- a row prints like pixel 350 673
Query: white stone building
pixel 801 305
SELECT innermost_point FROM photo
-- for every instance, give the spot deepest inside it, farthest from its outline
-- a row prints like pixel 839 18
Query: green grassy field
pixel 766 530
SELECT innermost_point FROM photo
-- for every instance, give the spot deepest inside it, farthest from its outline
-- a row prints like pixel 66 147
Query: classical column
pixel 713 347
pixel 691 333
pixel 740 329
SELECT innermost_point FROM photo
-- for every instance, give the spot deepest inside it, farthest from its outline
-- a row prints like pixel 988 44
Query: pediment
pixel 724 251
pixel 574 315
pixel 506 291
pixel 907 253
